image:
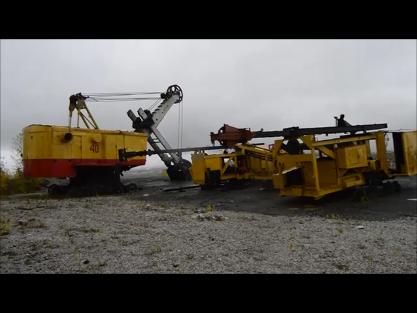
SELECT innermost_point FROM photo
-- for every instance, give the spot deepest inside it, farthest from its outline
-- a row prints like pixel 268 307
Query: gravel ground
pixel 121 234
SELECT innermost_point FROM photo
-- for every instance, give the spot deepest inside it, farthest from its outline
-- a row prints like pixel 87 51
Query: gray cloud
pixel 268 84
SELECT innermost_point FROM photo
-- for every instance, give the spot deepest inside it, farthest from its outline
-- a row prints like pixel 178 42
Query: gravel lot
pixel 135 234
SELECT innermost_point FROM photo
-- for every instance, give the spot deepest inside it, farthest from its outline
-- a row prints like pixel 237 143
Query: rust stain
pixel 410 142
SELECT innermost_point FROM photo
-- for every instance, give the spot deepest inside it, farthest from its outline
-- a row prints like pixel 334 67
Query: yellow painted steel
pixel 330 166
pixel 247 162
pixel 408 164
pixel 89 120
pixel 58 142
pixel 323 166
pixel 345 163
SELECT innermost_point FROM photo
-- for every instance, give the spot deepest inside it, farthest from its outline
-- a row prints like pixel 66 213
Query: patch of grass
pixel 342 267
pixel 48 244
pixel 4 228
pixel 101 263
pixel 35 223
pixel 92 230
pixel 379 239
pixel 183 209
pixel 34 246
pixel 260 258
pixel 67 231
pixel 28 259
pixel 190 256
pixel 157 247
pixel 78 254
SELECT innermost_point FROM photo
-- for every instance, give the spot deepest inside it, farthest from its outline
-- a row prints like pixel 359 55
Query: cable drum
pixel 173 90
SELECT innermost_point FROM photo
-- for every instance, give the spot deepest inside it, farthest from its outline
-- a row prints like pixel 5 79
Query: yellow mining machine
pixel 88 156
pixel 247 162
pixel 299 164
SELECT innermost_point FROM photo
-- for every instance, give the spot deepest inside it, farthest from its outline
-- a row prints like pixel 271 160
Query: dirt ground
pixel 160 229
pixel 262 198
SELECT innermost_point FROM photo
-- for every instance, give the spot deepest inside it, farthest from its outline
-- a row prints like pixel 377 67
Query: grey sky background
pixel 269 84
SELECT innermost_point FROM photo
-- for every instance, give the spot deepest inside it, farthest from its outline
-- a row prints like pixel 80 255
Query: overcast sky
pixel 269 84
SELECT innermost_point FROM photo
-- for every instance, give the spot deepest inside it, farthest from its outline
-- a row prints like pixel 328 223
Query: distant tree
pixel 3 167
pixel 17 151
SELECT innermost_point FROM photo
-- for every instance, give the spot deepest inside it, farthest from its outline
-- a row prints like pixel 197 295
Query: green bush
pixel 14 183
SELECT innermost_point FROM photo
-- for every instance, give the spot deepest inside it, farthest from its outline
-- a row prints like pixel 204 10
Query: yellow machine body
pixel 320 168
pixel 57 151
pixel 337 164
pixel 247 162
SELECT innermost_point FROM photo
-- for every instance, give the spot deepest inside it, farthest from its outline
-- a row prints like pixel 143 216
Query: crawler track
pixel 92 182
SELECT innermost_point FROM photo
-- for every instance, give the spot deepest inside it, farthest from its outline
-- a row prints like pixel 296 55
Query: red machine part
pixel 229 136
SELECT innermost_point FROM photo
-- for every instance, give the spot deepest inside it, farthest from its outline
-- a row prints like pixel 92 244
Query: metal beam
pixel 296 131
pixel 123 155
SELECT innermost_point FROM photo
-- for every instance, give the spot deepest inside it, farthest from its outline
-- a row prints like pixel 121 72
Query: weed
pixel 35 223
pixel 260 258
pixel 342 267
pixel 91 230
pixel 379 239
pixel 48 244
pixel 33 246
pixel 101 263
pixel 28 259
pixel 4 228
pixel 67 232
pixel 78 254
pixel 157 247
pixel 15 183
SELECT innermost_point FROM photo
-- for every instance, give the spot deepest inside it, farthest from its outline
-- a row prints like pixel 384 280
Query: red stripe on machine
pixel 40 168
